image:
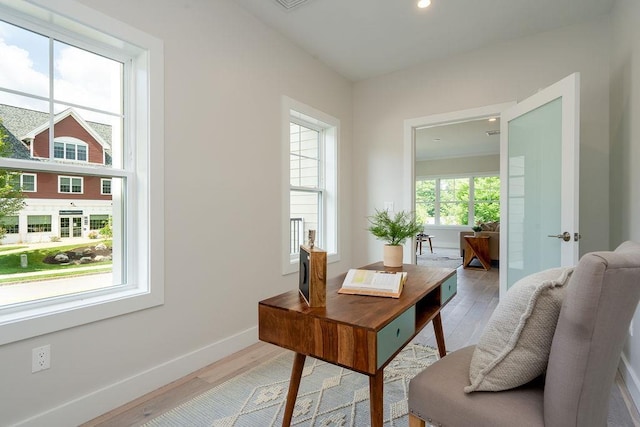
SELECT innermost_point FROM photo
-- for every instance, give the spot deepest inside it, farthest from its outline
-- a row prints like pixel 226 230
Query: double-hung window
pixel 311 139
pixel 81 101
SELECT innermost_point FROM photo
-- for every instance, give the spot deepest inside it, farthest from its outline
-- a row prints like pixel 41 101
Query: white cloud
pixel 80 77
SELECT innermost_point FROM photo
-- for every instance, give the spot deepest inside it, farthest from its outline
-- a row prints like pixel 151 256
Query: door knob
pixel 566 236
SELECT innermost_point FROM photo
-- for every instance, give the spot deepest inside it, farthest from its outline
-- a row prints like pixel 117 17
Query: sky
pixel 79 77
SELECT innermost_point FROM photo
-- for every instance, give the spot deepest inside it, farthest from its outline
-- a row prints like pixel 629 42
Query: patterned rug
pixel 441 257
pixel 328 395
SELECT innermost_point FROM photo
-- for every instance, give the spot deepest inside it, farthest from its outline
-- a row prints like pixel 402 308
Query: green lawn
pixel 10 263
pixel 10 248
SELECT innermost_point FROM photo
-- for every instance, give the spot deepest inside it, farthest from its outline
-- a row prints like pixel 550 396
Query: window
pixel 28 182
pixel 105 186
pixel 458 200
pixel 84 112
pixel 70 151
pixel 96 222
pixel 70 184
pixel 311 148
pixel 38 223
pixel 9 224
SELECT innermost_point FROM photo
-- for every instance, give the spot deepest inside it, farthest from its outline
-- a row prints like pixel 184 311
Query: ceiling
pixel 466 139
pixel 361 39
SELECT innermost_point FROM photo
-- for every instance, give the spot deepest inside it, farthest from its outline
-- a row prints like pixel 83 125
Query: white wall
pixel 625 152
pixel 225 73
pixel 503 72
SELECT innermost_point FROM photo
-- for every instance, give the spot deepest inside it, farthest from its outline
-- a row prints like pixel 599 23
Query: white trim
pixel 92 405
pixel 144 163
pixel 630 378
pixel 102 186
pixel 35 182
pixel 410 126
pixel 330 127
pixel 568 90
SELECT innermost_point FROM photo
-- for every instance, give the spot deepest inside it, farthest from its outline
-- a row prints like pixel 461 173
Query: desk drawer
pixel 393 336
pixel 448 289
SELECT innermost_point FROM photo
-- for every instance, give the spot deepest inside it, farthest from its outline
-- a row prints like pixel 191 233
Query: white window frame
pixel 102 180
pixel 70 141
pixel 142 172
pixel 35 182
pixel 471 201
pixel 330 126
pixel 70 178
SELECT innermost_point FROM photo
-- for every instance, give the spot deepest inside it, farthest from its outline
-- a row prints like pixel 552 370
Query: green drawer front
pixel 449 288
pixel 393 336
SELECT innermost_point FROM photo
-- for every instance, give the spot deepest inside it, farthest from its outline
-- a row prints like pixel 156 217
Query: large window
pixel 77 91
pixel 458 200
pixel 9 224
pixel 311 188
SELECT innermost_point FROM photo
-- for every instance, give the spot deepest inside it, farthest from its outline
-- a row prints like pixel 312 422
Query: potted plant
pixel 394 230
pixel 476 230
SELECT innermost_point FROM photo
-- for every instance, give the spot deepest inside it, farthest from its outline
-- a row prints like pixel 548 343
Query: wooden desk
pixel 477 247
pixel 361 333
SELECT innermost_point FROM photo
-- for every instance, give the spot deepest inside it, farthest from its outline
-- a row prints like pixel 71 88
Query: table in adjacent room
pixel 477 247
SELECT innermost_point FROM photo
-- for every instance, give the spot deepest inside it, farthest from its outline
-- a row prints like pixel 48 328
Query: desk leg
pixel 294 384
pixel 376 394
pixel 437 329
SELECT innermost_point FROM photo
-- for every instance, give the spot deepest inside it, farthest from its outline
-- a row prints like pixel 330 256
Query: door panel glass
pixel 534 190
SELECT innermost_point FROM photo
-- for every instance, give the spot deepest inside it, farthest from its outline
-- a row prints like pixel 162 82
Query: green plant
pixel 55 238
pixel 92 235
pixel 393 230
pixel 476 228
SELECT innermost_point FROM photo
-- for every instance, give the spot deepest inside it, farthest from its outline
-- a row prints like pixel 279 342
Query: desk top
pixel 367 312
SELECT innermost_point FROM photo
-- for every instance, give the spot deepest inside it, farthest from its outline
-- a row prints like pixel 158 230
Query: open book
pixel 375 283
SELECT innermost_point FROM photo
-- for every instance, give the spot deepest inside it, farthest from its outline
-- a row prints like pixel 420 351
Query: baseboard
pixel 94 404
pixel 630 380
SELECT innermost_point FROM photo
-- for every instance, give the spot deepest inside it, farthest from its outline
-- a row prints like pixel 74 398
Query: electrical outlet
pixel 40 358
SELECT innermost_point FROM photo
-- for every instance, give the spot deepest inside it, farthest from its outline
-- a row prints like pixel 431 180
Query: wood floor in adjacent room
pixel 463 321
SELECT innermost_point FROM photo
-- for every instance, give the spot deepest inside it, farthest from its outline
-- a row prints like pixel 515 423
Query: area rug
pixel 441 257
pixel 328 395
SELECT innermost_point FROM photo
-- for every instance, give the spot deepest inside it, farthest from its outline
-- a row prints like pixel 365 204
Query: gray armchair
pixel 599 304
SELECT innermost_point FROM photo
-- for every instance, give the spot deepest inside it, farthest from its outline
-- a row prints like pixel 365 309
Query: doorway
pixel 71 226
pixel 413 128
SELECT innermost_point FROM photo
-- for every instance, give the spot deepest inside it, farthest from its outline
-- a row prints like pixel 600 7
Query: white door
pixel 539 155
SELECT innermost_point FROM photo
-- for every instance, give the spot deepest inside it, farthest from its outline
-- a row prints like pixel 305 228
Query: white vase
pixel 392 256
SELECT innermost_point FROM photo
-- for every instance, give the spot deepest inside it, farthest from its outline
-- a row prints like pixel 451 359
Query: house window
pixel 9 224
pixel 90 79
pixel 38 223
pixel 28 182
pixel 458 200
pixel 70 151
pixel 311 149
pixel 105 186
pixel 70 184
pixel 96 222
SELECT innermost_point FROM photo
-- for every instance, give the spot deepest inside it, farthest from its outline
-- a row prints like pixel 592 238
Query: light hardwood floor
pixel 463 321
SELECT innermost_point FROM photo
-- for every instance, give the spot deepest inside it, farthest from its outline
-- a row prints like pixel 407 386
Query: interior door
pixel 539 156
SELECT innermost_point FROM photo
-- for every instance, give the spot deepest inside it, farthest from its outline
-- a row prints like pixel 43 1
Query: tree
pixel 11 197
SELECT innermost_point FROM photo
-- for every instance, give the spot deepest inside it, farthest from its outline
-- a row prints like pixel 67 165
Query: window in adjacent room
pixel 458 200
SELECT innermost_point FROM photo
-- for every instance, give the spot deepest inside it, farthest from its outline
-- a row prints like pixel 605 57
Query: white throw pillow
pixel 514 347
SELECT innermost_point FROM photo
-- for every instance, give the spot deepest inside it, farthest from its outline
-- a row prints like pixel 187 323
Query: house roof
pixel 25 123
pixel 22 121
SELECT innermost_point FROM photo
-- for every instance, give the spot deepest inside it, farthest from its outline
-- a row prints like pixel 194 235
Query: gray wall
pixel 625 154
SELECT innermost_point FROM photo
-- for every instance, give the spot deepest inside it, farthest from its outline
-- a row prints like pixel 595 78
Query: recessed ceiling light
pixel 424 3
pixel 492 119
